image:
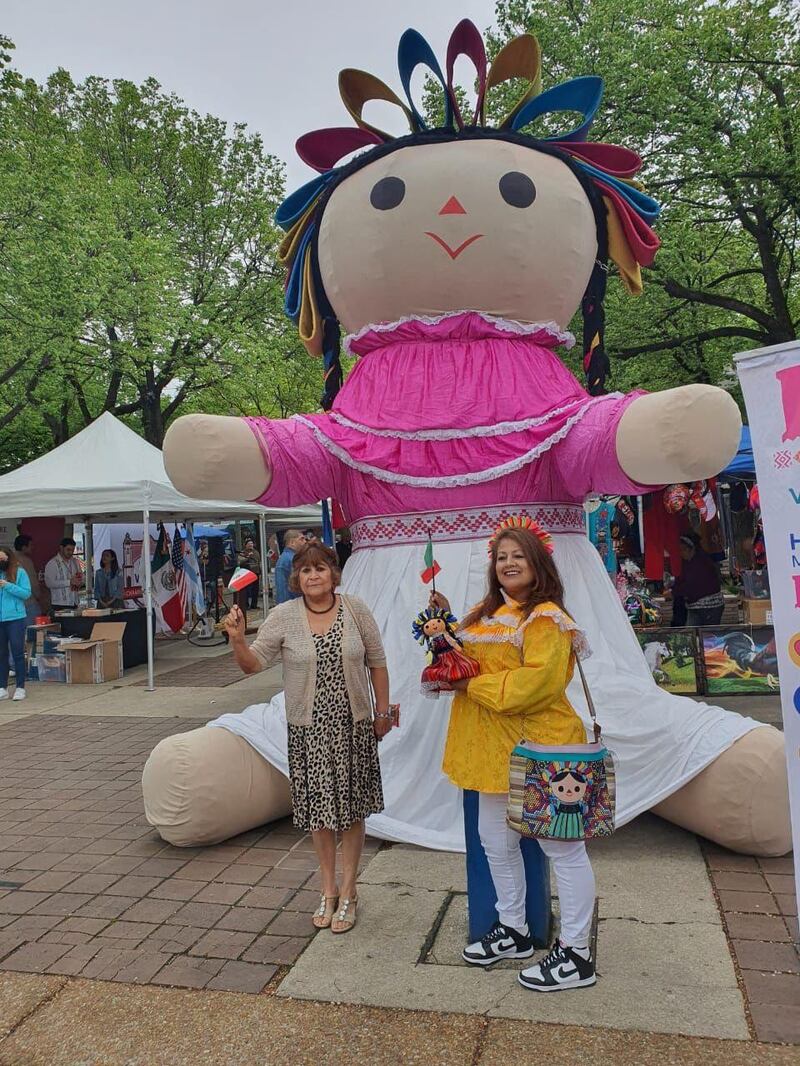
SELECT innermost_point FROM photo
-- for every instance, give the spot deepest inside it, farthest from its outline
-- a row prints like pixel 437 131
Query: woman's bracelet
pixel 377 714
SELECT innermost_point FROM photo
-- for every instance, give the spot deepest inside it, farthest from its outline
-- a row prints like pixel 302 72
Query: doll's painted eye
pixel 387 193
pixel 517 189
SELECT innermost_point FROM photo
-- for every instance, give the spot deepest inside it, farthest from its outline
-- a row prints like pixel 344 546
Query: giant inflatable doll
pixel 450 263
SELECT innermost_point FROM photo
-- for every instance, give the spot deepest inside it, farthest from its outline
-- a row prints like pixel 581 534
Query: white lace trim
pixel 485 638
pixel 446 481
pixel 580 644
pixel 495 430
pixel 563 336
pixel 508 620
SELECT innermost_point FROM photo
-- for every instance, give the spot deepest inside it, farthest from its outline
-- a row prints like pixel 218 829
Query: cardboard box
pixel 757 612
pixel 51 667
pixel 35 635
pixel 98 659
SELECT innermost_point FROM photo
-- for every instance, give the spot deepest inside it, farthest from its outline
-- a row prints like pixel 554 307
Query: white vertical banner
pixel 770 379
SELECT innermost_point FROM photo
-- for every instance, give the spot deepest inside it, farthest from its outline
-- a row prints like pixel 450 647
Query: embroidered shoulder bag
pixel 562 793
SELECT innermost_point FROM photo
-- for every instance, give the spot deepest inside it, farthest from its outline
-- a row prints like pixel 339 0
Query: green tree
pixel 138 271
pixel 709 94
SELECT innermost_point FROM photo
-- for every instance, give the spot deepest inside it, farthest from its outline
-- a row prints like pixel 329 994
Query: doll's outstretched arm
pixel 277 462
pixel 682 434
pixel 637 443
pixel 216 457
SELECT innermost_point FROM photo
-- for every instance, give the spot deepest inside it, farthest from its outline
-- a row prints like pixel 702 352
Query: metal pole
pixel 88 545
pixel 148 598
pixel 262 540
pixel 640 512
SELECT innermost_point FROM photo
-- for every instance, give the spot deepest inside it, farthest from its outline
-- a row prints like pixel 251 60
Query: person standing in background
pixel 293 541
pixel 108 581
pixel 344 547
pixel 39 602
pixel 63 576
pixel 15 588
pixel 699 585
pixel 250 558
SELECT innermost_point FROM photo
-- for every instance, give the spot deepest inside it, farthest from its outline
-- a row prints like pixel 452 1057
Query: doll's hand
pixel 440 601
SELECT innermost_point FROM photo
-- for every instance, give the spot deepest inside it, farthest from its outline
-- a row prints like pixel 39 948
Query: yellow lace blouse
pixel 520 694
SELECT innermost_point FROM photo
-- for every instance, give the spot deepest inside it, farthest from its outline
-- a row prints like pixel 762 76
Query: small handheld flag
pixel 241 578
pixel 432 568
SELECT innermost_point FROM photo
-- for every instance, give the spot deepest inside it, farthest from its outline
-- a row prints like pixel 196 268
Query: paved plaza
pixel 116 947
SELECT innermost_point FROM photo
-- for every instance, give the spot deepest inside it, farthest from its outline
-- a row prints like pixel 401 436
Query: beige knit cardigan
pixel 286 635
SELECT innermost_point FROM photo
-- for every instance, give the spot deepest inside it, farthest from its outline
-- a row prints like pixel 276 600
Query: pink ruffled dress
pixel 448 425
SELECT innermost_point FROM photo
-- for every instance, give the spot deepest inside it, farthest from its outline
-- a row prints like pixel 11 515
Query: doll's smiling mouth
pixel 454 253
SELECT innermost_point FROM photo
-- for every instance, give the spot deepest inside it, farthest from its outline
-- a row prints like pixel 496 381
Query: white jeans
pixel 574 877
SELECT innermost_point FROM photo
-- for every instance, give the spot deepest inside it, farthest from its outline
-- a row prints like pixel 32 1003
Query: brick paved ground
pixel 217 672
pixel 759 909
pixel 89 889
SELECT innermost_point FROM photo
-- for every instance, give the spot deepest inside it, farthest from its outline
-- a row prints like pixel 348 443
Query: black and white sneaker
pixel 501 942
pixel 562 968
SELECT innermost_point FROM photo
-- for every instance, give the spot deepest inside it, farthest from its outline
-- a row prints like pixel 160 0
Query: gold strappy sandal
pixel 346 918
pixel 323 916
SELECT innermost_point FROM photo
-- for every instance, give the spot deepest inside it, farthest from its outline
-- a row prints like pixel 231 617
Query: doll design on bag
pixel 436 628
pixel 568 790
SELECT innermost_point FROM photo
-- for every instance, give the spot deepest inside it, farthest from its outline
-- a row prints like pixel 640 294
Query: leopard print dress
pixel 334 773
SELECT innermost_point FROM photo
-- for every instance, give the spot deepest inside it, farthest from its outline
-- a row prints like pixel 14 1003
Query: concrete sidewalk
pixel 51 1021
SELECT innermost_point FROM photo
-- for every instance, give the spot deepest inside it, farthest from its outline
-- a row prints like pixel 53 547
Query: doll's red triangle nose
pixel 452 207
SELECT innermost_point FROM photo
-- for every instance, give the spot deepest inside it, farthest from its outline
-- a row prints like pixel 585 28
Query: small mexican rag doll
pixel 437 629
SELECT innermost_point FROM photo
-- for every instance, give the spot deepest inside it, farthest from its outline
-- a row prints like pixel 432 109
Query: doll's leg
pixel 741 800
pixel 209 784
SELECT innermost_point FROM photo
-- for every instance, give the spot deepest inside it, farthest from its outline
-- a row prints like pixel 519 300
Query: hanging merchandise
pixel 676 499
pixel 600 534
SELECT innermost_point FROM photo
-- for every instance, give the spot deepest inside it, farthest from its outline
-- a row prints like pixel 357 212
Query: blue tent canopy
pixel 209 531
pixel 742 464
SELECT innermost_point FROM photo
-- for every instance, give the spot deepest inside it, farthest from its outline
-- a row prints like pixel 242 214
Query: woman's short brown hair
pixel 311 555
pixel 13 564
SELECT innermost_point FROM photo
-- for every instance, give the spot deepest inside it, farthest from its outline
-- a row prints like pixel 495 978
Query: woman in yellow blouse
pixel 526 645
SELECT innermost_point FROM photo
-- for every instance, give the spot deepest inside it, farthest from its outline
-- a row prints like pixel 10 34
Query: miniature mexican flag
pixel 241 579
pixel 432 568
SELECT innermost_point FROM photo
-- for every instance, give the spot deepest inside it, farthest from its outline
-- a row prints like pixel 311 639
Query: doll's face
pixel 434 627
pixel 482 225
pixel 569 789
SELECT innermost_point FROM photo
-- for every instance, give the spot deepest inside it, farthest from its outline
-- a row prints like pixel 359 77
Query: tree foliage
pixel 137 264
pixel 709 94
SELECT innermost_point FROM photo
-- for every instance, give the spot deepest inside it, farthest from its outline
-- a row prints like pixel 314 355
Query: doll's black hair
pixel 596 362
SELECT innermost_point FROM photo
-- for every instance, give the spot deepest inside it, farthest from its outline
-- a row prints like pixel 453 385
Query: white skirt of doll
pixel 660 741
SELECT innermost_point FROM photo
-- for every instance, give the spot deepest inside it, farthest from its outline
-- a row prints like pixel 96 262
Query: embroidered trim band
pixel 476 523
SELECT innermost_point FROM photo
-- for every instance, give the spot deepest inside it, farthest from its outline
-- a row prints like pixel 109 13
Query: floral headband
pixel 521 522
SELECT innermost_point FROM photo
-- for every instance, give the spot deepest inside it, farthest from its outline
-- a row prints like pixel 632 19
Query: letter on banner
pixel 789 380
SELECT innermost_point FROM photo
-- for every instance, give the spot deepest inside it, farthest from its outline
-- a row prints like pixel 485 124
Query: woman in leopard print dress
pixel 323 640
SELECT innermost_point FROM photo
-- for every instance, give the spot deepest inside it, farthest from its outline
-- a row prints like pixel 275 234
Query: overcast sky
pixel 270 64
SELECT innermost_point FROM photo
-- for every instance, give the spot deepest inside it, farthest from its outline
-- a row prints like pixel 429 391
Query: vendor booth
pixel 107 473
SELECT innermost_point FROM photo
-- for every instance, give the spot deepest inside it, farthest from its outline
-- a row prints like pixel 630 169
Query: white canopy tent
pixel 109 473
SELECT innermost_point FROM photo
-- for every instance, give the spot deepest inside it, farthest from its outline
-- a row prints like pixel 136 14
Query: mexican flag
pixel 164 584
pixel 432 568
